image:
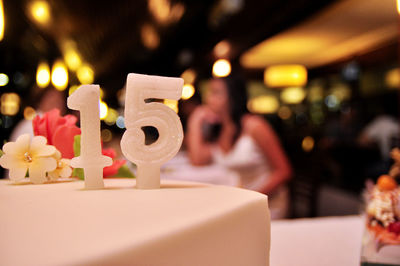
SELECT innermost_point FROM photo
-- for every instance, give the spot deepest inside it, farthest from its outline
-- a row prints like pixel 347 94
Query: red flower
pixel 112 169
pixel 59 131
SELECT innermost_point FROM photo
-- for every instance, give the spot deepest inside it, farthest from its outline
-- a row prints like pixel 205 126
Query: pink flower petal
pixel 110 152
pixel 113 169
pixel 54 121
pixel 70 120
pixel 63 140
pixel 39 126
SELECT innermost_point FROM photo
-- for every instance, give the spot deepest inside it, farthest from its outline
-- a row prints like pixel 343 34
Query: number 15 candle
pixel 141 112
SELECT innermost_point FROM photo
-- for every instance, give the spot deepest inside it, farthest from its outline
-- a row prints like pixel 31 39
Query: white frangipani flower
pixel 23 155
pixel 63 169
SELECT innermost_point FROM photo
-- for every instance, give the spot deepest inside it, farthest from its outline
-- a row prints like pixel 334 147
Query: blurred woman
pixel 245 143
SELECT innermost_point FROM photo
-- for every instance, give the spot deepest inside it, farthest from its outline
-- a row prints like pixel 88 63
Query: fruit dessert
pixel 383 206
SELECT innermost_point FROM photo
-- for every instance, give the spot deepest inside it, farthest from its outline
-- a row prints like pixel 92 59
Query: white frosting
pixel 180 224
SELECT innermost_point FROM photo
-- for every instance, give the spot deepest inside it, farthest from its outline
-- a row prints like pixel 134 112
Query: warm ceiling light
pixel 1 20
pixel 40 11
pixel 85 74
pixel 103 110
pixel 285 76
pixel 221 68
pixel 149 36
pixel 187 91
pixel 222 49
pixel 189 75
pixel 398 6
pixel 264 104
pixel 293 95
pixel 10 103
pixel 59 75
pixel 43 75
pixel 3 79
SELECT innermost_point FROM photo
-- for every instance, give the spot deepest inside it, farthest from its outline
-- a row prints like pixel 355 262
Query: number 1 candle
pixel 141 112
pixel 86 100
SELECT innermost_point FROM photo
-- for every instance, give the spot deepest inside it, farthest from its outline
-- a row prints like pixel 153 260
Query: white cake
pixel 179 224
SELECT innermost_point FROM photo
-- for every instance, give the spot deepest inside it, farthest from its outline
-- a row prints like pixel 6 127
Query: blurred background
pixel 325 74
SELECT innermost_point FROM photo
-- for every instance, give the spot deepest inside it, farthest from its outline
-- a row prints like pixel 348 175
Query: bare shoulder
pixel 254 124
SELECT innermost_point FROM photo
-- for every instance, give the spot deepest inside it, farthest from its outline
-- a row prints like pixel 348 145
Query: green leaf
pixel 77 145
pixel 78 172
pixel 1 153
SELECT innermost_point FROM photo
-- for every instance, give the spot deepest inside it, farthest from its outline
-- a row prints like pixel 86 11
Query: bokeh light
pixel 189 76
pixel 3 79
pixel 59 75
pixel 284 112
pixel 293 95
pixel 103 110
pixel 307 144
pixel 187 91
pixel 10 103
pixel 173 104
pixel 120 122
pixel 392 78
pixel 29 113
pixel 264 104
pixel 40 11
pixel 222 49
pixel 150 37
pixel 285 76
pixel 72 58
pixel 106 135
pixel 111 117
pixel 85 74
pixel 221 68
pixel 43 75
pixel 72 89
pixel 1 20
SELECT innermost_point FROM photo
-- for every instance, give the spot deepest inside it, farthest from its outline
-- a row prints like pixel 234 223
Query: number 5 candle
pixel 86 100
pixel 139 113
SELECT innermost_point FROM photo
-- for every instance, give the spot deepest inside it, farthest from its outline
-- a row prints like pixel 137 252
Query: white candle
pixel 86 100
pixel 139 113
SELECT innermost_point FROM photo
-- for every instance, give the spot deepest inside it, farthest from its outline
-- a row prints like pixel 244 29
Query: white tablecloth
pixel 318 241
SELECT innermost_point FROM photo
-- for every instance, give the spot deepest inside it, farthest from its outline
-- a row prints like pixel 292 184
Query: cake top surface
pixel 53 223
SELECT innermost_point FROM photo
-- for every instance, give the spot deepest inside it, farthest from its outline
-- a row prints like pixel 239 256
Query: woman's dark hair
pixel 237 94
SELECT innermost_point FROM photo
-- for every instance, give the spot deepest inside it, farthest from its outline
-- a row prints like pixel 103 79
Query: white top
pixel 249 162
pixel 247 159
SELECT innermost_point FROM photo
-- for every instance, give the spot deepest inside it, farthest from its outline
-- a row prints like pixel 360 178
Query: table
pixel 317 241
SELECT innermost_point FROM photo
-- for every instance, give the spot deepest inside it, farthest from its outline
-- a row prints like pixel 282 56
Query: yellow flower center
pixel 27 157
